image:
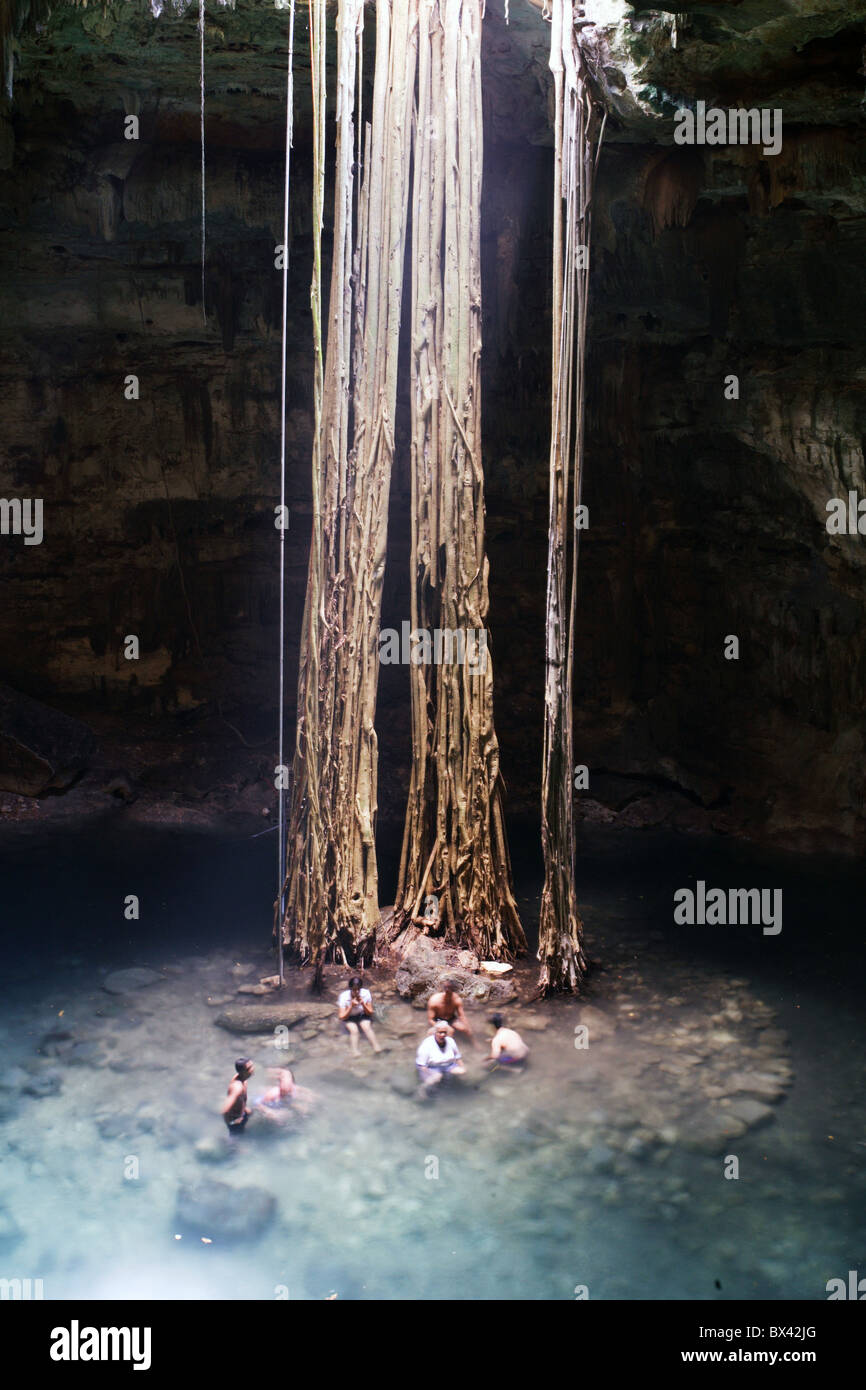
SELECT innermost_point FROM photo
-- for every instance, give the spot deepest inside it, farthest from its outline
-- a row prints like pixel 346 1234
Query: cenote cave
pixel 432 676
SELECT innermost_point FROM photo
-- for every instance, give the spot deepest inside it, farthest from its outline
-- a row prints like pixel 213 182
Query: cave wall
pixel 712 511
pixel 707 515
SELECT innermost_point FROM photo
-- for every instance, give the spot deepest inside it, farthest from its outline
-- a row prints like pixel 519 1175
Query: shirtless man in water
pixel 506 1046
pixel 448 1005
pixel 278 1101
pixel 235 1110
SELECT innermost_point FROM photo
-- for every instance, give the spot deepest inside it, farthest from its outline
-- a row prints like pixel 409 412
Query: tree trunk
pixel 455 872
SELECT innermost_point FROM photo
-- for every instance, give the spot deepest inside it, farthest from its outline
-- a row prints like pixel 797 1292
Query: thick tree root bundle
pixel 455 874
pixel 577 140
pixel 331 875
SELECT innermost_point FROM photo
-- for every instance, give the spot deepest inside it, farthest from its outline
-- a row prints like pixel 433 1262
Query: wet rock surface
pixel 41 749
pixel 44 1083
pixel 10 1232
pixel 254 1018
pixel 219 1212
pixel 128 981
pixel 424 967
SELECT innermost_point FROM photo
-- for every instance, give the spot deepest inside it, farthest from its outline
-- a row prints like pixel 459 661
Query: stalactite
pixel 576 135
pixel 455 857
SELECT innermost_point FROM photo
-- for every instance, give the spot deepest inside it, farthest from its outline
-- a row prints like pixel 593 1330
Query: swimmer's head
pixel 355 982
pixel 244 1067
pixel 450 986
pixel 497 1021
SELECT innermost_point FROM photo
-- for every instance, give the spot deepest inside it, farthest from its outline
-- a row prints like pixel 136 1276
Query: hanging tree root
pixel 455 800
pixel 577 138
pixel 331 884
pixel 455 873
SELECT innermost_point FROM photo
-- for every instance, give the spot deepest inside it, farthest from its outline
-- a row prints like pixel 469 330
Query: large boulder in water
pixel 264 1018
pixel 40 748
pixel 424 968
pixel 44 1083
pixel 126 981
pixel 220 1212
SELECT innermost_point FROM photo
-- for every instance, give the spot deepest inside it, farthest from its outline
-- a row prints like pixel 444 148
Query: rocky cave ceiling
pixel 804 56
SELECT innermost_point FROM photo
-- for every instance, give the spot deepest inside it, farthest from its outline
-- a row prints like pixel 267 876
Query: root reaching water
pixel 332 906
pixel 577 136
pixel 455 854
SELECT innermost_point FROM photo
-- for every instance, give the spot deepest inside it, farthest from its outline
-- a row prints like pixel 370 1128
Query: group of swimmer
pixel 274 1104
pixel 438 1054
pixel 437 1057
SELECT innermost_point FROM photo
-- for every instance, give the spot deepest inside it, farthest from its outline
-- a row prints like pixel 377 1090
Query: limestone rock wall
pixel 707 515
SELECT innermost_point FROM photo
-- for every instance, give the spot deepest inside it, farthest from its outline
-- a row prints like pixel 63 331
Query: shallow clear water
pixel 577 1173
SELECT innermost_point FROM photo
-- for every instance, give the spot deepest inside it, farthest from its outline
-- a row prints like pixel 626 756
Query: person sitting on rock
pixel 448 1005
pixel 438 1056
pixel 355 1008
pixel 507 1047
pixel 235 1111
pixel 286 1097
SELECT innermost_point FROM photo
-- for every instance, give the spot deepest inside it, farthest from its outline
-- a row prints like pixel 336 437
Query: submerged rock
pixel 220 1212
pixel 711 1133
pixel 15 1079
pixel 114 1126
pixel 125 981
pixel 47 1083
pixel 751 1112
pixel 403 1082
pixel 56 1043
pixel 536 1023
pixel 11 1233
pixel 599 1159
pixel 599 1025
pixel 763 1085
pixel 84 1054
pixel 125 1023
pixel 257 1018
pixel 213 1150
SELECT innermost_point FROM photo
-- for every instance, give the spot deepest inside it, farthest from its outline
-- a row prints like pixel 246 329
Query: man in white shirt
pixel 438 1055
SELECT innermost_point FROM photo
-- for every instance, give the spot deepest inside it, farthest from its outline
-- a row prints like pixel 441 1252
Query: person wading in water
pixel 448 1006
pixel 235 1110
